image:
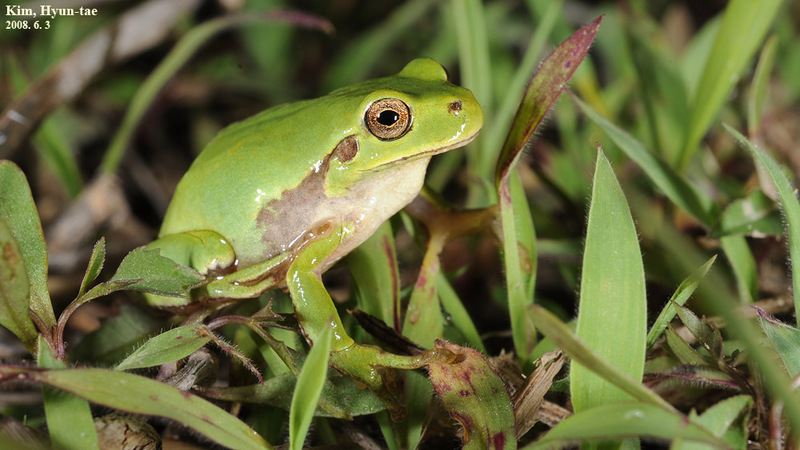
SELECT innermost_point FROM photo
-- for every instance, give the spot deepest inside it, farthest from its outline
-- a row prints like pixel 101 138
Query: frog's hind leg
pixel 367 365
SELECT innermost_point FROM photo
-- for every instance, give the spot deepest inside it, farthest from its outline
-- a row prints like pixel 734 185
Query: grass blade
pixel 672 184
pixel 744 25
pixel 680 297
pixel 140 395
pixel 622 420
pixel 612 293
pixel 308 390
pixel 789 207
pixel 69 418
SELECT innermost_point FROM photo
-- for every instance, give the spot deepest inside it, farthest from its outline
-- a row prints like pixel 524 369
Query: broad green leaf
pixel 786 341
pixel 622 420
pixel 169 346
pixel 566 340
pixel 612 293
pixel 155 274
pixel 475 395
pixel 95 265
pixel 140 395
pixel 677 188
pixel 719 418
pixel 744 25
pixel 789 206
pixel 680 297
pixel 308 389
pixel 69 419
pixel 14 290
pixel 24 256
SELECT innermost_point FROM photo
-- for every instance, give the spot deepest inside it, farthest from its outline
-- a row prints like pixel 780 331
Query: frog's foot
pixel 374 368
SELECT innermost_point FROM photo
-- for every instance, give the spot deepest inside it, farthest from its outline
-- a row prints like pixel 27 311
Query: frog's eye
pixel 388 119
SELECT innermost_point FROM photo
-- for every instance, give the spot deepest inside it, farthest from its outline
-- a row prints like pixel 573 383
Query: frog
pixel 275 200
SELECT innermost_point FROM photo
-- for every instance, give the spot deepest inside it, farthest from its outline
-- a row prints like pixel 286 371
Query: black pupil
pixel 388 117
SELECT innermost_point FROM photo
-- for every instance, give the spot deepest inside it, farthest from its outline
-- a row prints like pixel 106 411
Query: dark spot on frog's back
pixel 455 107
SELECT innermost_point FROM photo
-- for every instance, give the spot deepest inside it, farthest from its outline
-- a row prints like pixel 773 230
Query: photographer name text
pixel 23 18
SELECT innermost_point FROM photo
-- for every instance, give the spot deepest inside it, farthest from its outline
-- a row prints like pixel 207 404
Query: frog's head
pixel 403 119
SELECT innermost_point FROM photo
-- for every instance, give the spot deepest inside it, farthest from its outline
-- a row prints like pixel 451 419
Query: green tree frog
pixel 275 200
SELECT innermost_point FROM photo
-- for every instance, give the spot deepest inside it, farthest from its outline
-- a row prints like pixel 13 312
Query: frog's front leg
pixel 212 255
pixel 366 364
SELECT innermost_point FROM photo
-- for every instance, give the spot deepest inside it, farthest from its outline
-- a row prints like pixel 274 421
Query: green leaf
pixel 172 345
pixel 683 351
pixel 14 290
pixel 612 292
pixel 95 265
pixel 744 25
pixel 475 395
pixel 69 418
pixel 786 340
pixel 789 207
pixel 708 336
pixel 680 297
pixel 720 417
pixel 545 87
pixel 156 274
pixel 140 395
pixel 24 259
pixel 622 420
pixel 308 389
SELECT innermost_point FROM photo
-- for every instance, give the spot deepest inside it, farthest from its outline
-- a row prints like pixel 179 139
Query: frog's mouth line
pixel 459 144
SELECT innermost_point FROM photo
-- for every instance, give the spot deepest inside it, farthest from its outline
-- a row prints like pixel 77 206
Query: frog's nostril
pixel 455 107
